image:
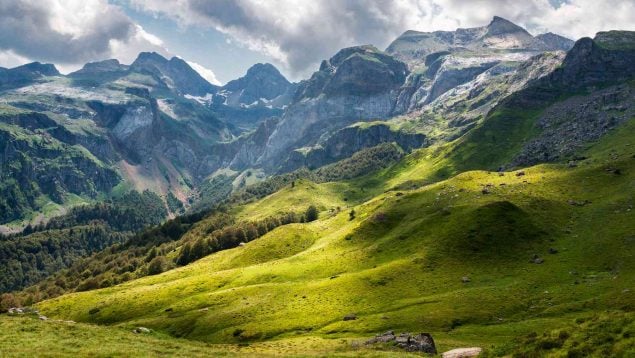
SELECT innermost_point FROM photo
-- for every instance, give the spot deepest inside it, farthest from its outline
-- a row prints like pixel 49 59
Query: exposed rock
pixel 177 74
pixel 141 330
pixel 465 279
pixel 350 317
pixel 555 42
pixel 463 352
pixel 553 251
pixel 43 318
pixel 421 342
pixel 537 259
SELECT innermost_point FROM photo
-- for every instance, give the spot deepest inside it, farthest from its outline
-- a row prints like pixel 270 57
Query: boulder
pixel 350 317
pixel 421 342
pixel 141 330
pixel 537 260
pixel 463 352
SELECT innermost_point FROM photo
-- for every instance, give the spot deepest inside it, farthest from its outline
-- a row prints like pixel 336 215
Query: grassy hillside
pixel 540 247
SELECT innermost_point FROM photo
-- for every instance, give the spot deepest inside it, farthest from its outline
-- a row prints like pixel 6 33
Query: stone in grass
pixel 463 352
pixel 537 259
pixel 465 279
pixel 43 318
pixel 553 251
pixel 421 342
pixel 141 330
pixel 350 317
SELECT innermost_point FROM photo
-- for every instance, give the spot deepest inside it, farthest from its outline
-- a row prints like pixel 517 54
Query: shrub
pixel 311 213
pixel 157 265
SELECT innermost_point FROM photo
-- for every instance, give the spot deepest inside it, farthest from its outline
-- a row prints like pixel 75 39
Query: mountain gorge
pixel 476 184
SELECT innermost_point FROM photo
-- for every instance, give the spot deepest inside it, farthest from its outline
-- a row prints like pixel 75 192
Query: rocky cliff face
pixel 106 122
pixel 596 81
pixel 176 73
pixel 348 141
pixel 443 60
pixel 358 83
pixel 39 157
pixel 457 75
pixel 261 94
pixel 556 42
pixel 25 74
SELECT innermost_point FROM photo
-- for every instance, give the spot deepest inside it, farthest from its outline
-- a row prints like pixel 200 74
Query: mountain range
pixel 186 131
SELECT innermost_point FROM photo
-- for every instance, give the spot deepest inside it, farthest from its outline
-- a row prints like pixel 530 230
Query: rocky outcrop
pixel 568 125
pixel 358 83
pixel 33 162
pixel 262 82
pixel 413 47
pixel 261 94
pixel 555 42
pixel 347 141
pixel 177 74
pixel 422 342
pixel 25 74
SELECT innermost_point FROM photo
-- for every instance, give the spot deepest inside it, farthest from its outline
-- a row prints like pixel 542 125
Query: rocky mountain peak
pixel 616 40
pixel 357 71
pixel 175 72
pixel 111 65
pixel 500 26
pixel 262 80
pixel 37 69
pixel 555 42
pixel 149 58
pixel 26 74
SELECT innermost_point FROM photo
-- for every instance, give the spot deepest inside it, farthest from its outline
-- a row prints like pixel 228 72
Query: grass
pixel 398 264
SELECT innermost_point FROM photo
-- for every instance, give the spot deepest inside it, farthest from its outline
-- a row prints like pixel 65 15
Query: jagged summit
pixel 26 74
pixel 149 57
pixel 500 34
pixel 111 65
pixel 555 42
pixel 178 74
pixel 262 81
pixel 37 68
pixel 499 26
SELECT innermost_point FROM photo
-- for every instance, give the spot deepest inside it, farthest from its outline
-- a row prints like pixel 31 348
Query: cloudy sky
pixel 222 38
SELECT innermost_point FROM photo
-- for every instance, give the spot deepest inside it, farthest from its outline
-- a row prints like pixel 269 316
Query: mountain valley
pixel 475 184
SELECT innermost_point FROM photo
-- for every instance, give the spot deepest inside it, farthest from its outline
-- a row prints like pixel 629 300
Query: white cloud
pixel 206 73
pixel 69 33
pixel 298 35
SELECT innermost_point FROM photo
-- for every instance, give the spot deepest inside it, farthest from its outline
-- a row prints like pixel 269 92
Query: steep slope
pixel 581 100
pixel 177 74
pixel 413 47
pixel 556 42
pixel 259 95
pixel 456 76
pixel 103 130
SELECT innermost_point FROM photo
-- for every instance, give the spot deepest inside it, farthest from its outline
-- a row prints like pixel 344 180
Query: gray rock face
pixel 412 47
pixel 176 73
pixel 261 94
pixel 356 84
pixel 25 74
pixel 568 125
pixel 105 66
pixel 262 82
pixel 555 42
pixel 422 342
pixel 347 141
